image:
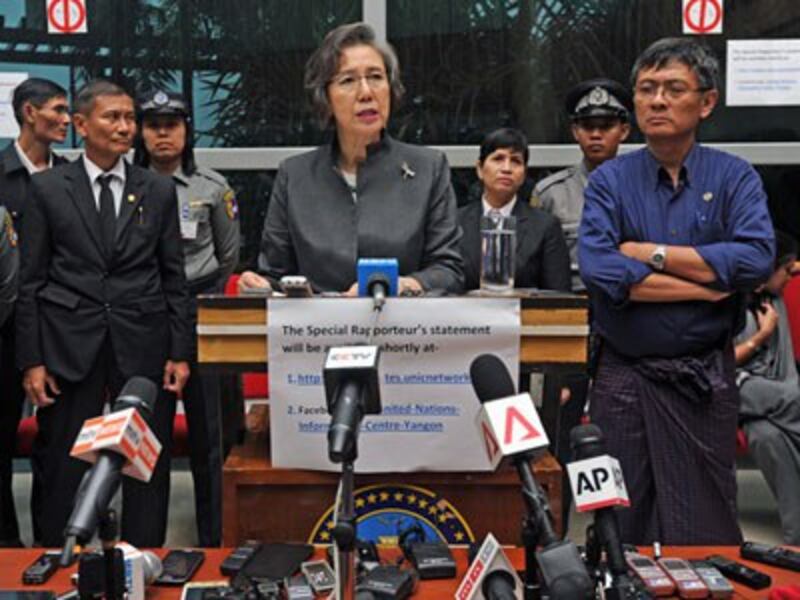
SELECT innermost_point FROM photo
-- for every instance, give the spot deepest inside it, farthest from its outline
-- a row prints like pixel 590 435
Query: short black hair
pixel 695 55
pixel 37 91
pixel 86 96
pixel 141 156
pixel 785 249
pixel 505 137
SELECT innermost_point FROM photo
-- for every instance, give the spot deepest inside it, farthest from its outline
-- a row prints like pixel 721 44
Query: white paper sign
pixel 763 73
pixel 8 124
pixel 429 406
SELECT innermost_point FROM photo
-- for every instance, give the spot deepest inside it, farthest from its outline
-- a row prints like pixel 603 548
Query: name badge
pixel 189 230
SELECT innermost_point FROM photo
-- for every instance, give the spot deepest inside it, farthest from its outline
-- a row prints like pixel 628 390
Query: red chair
pixel 791 297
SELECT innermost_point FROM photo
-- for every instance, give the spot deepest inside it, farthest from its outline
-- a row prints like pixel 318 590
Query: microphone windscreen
pixel 587 441
pixel 153 567
pixel 139 393
pixel 490 378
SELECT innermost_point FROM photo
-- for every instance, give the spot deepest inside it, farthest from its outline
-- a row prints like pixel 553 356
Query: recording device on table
pixel 431 559
pixel 118 443
pixel 388 582
pixel 319 575
pixel 234 562
pixel 771 555
pixel 650 573
pixel 598 486
pixel 134 569
pixel 180 566
pixel 715 582
pixel 40 570
pixel 736 571
pixel 296 286
pixel 377 279
pixel 558 561
pixel 687 582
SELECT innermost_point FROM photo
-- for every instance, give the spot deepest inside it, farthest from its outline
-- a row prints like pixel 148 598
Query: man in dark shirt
pixel 41 110
pixel 670 237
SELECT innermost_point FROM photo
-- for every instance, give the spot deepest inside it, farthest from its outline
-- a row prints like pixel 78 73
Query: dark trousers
pixel 201 401
pixel 12 399
pixel 569 416
pixel 677 456
pixel 144 505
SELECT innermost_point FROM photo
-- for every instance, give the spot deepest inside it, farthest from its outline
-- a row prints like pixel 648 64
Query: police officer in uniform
pixel 210 230
pixel 42 112
pixel 599 110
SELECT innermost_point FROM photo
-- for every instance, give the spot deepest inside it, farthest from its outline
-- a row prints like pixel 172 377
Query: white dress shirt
pixel 117 185
pixel 505 210
pixel 31 168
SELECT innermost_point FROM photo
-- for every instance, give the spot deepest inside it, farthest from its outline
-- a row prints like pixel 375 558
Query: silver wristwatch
pixel 658 257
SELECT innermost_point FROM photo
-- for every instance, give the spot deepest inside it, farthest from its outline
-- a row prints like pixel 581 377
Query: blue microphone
pixel 377 278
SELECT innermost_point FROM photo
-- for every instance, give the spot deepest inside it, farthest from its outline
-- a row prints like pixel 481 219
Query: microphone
pixel 142 568
pixel 119 442
pixel 377 277
pixel 490 575
pixel 597 485
pixel 511 427
pixel 350 375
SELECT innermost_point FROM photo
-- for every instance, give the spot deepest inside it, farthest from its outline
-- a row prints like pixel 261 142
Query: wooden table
pixel 13 562
pixel 232 332
pixel 262 502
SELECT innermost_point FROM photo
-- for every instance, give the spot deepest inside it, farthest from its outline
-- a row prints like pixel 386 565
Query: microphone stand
pixel 535 525
pixel 344 534
pixel 107 532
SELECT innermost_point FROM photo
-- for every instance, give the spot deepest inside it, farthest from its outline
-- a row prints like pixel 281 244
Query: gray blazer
pixel 405 208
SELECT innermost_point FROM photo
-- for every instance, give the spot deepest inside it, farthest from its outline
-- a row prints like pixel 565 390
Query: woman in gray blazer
pixel 364 194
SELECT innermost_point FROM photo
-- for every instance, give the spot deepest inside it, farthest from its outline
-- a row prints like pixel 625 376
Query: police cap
pixel 598 98
pixel 159 102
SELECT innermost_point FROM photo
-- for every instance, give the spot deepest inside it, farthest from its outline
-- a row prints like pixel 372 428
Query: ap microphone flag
pixel 597 483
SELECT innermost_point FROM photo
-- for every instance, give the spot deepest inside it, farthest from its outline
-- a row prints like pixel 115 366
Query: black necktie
pixel 108 216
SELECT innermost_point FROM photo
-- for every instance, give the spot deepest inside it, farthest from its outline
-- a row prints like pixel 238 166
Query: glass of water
pixel 498 252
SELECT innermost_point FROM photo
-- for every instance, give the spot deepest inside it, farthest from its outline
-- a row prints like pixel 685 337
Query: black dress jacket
pixel 72 296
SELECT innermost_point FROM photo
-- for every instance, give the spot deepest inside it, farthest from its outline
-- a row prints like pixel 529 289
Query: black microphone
pixel 352 391
pixel 559 562
pixel 100 483
pixel 492 381
pixel 499 585
pixel 587 441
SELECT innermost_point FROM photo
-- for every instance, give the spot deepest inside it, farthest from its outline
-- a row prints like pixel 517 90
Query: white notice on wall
pixel 428 404
pixel 763 73
pixel 8 124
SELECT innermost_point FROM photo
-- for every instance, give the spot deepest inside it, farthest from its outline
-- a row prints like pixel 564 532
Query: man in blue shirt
pixel 671 236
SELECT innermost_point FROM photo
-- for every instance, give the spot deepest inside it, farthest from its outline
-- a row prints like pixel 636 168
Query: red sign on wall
pixel 702 16
pixel 66 16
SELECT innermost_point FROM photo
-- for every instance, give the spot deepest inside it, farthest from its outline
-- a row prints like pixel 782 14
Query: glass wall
pixel 239 62
pixel 468 66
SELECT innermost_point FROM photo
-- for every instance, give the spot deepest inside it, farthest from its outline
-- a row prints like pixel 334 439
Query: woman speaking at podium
pixel 364 194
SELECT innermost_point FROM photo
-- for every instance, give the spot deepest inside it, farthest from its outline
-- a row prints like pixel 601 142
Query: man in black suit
pixel 542 259
pixel 41 110
pixel 103 298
